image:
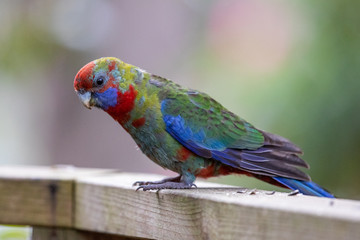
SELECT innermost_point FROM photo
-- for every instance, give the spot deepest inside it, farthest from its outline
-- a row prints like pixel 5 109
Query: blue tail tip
pixel 304 187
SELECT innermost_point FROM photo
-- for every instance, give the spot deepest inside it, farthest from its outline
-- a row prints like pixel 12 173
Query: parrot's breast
pixel 125 105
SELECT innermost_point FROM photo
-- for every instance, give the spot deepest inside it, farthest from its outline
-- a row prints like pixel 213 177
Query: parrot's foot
pixel 166 185
pixel 165 180
pixel 293 193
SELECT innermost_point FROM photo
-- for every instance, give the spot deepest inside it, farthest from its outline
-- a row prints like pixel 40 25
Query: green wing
pixel 209 130
pixel 195 117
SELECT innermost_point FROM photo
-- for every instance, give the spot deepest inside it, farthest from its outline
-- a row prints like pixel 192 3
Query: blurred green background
pixel 288 67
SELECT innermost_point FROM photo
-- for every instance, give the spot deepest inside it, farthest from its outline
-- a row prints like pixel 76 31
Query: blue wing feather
pixel 276 157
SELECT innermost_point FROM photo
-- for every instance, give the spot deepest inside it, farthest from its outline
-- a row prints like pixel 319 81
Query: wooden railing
pixel 71 203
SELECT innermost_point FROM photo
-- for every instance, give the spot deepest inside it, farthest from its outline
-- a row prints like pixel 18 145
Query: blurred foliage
pixel 23 43
pixel 309 93
pixel 15 233
pixel 314 100
pixel 325 100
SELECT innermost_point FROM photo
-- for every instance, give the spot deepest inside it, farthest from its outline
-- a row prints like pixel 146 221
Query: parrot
pixel 187 131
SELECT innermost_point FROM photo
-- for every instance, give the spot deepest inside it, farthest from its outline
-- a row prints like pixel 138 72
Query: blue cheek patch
pixel 106 99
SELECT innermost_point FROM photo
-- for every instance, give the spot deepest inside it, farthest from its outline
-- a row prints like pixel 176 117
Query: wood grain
pixel 102 204
pixel 46 233
pixel 109 204
pixel 40 196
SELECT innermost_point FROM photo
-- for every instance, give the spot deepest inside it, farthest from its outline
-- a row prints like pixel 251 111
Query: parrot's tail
pixel 305 187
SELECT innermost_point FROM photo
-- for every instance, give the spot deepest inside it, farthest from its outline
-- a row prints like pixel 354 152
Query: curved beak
pixel 85 98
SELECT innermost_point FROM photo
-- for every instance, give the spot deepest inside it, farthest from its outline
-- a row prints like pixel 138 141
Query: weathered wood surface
pixel 39 195
pixel 104 201
pixel 210 212
pixel 46 233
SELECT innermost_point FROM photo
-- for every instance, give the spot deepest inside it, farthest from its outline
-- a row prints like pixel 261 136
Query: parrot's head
pixel 106 83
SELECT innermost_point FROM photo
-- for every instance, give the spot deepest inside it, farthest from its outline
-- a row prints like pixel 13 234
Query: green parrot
pixel 187 131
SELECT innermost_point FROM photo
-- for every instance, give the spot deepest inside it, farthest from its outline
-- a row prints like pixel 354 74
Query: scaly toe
pixel 166 185
pixel 139 183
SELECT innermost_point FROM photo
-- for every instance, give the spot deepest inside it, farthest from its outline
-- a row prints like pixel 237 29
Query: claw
pixel 171 179
pixel 293 193
pixel 166 185
pixel 242 191
pixel 253 192
pixel 270 193
pixel 139 183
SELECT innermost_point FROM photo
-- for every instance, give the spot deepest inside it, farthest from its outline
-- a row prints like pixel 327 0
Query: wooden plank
pixel 103 201
pixel 109 204
pixel 46 233
pixel 38 195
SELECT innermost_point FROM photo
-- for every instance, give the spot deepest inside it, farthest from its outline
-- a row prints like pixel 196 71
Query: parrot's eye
pixel 100 81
